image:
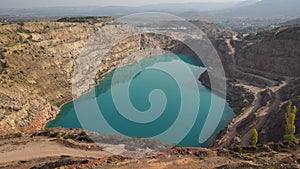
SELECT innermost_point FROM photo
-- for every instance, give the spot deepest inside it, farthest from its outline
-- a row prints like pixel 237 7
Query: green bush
pixel 238 149
pixel 290 137
pixel 58 136
pixel 53 134
pixel 65 156
pixel 71 136
pixel 110 159
pixel 16 52
pixel 83 133
pixel 254 137
pixel 175 146
pixel 250 149
pixel 290 127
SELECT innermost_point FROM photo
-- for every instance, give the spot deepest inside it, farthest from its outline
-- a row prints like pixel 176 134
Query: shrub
pixel 71 136
pixel 83 133
pixel 254 137
pixel 110 160
pixel 290 127
pixel 85 139
pixel 58 136
pixel 65 156
pixel 16 52
pixel 238 149
pixel 289 137
pixel 250 149
pixel 175 146
pixel 53 134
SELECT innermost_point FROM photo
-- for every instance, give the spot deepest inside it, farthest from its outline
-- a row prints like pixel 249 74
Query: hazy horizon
pixel 78 3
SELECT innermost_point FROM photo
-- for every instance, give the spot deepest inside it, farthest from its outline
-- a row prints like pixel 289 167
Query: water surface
pixel 140 87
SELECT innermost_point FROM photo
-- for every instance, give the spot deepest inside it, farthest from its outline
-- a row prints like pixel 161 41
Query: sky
pixel 51 3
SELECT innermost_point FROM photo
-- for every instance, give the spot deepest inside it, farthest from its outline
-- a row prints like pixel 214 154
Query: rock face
pixel 105 52
pixel 37 67
pixel 263 75
pixel 272 52
pixel 39 59
pixel 275 120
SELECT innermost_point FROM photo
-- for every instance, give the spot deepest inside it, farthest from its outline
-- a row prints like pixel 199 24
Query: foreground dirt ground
pixel 42 151
pixel 43 147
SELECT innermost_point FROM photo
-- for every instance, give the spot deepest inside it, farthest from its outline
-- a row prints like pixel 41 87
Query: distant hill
pixel 118 10
pixel 250 16
pixel 246 3
pixel 269 8
pixel 290 22
pixel 263 8
pixel 247 8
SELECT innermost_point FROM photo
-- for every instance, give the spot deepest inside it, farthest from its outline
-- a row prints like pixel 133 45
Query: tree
pixel 290 127
pixel 254 137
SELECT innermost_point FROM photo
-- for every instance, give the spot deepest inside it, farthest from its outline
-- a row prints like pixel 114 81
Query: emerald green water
pixel 139 89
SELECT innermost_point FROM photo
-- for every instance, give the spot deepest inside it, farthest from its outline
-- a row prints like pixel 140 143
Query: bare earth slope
pixel 267 67
pixel 36 79
pixel 36 66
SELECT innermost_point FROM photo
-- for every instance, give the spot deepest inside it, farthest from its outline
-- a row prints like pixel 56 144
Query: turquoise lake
pixel 141 85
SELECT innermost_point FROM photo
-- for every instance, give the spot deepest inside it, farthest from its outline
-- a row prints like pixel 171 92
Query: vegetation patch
pixel 87 19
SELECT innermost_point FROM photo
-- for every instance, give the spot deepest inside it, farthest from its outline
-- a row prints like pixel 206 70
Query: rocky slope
pixel 35 81
pixel 37 63
pixel 263 74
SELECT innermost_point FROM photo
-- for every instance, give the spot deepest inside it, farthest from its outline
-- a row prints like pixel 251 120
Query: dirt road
pixel 41 149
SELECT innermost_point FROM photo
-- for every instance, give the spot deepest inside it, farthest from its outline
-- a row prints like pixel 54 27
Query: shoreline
pixel 71 100
pixel 102 77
